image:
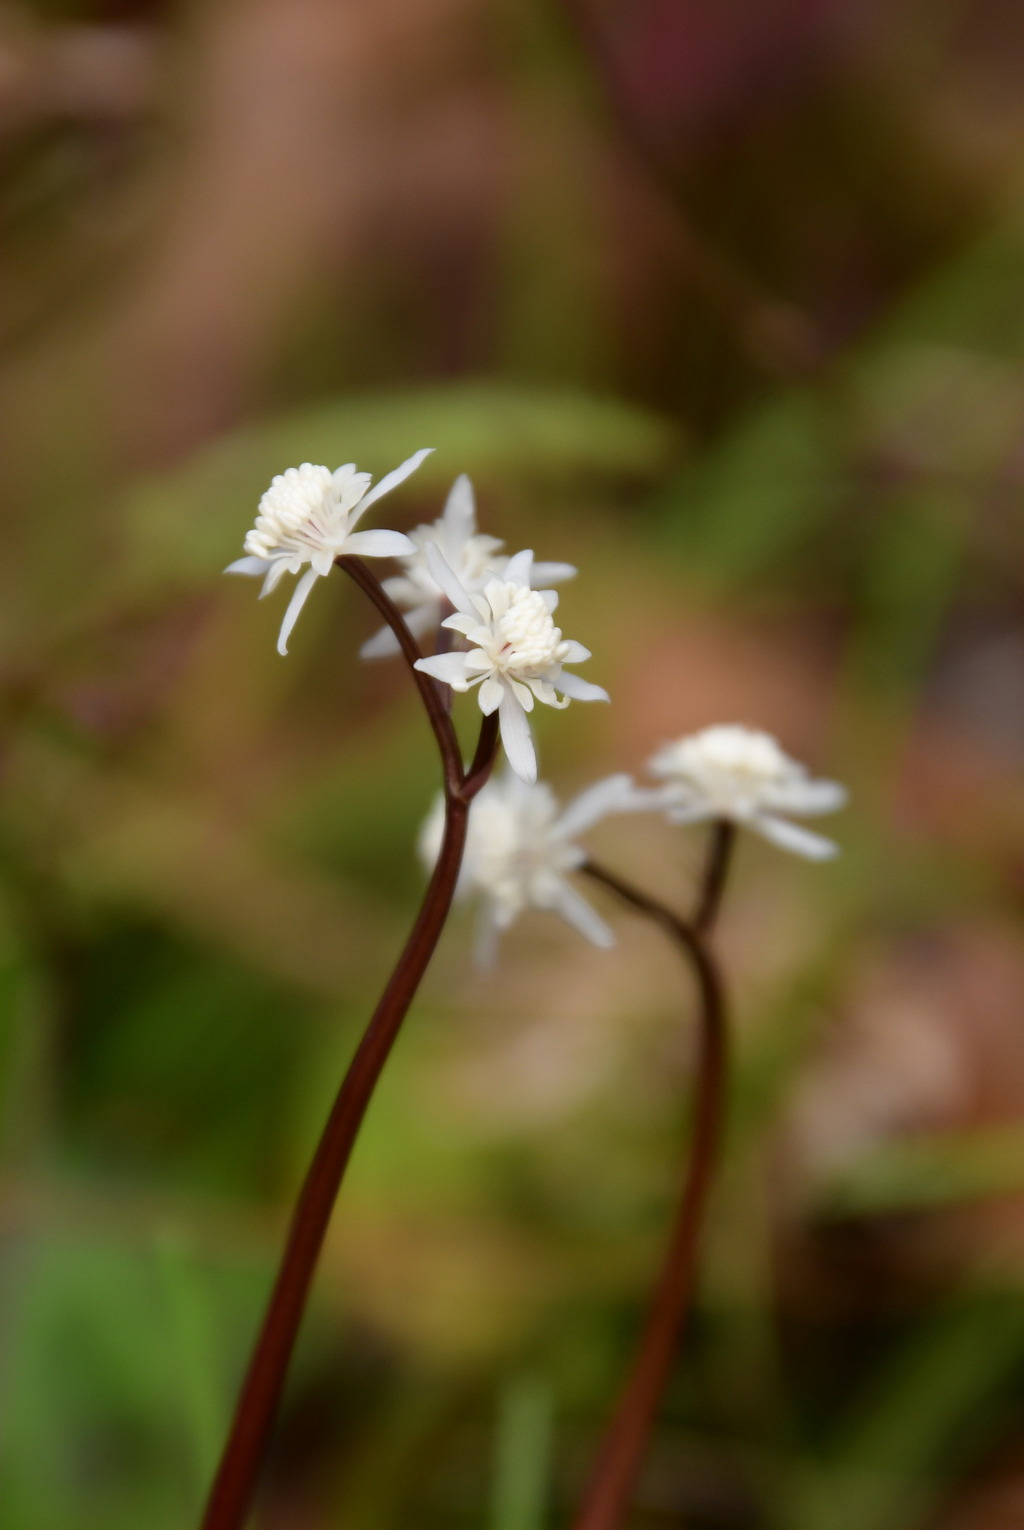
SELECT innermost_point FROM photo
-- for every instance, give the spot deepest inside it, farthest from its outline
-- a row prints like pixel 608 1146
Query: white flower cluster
pixel 520 848
pixel 472 558
pixel 742 775
pixel 308 515
pixel 505 645
pixel 511 646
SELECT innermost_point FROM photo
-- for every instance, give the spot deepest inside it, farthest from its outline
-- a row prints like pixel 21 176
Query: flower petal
pixel 543 574
pixel 447 581
pixel 379 544
pixel 490 695
pixel 578 912
pixel 615 794
pixel 253 567
pixel 458 519
pixel 578 689
pixel 295 605
pixel 809 797
pixel 275 573
pixel 519 568
pixel 384 644
pixel 449 668
pixel 789 836
pixel 485 945
pixel 687 812
pixel 515 736
pixel 391 481
pixel 575 653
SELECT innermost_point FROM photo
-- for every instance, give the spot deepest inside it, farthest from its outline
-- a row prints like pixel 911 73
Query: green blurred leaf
pixel 190 522
pixel 522 1455
pixel 918 1173
pixel 926 1414
pixel 752 499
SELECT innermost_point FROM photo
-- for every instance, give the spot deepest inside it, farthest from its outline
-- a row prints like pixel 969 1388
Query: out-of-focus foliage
pixel 724 304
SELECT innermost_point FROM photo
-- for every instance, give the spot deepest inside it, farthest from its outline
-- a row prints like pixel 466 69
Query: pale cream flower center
pixel 301 513
pixel 526 641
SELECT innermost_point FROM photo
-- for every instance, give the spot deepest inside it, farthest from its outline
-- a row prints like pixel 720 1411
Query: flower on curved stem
pixel 742 776
pixel 515 652
pixel 472 557
pixel 308 515
pixel 521 847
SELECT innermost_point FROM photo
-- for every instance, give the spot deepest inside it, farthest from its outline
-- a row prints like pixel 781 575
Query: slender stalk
pixel 235 1483
pixel 433 695
pixel 608 1492
pixel 716 870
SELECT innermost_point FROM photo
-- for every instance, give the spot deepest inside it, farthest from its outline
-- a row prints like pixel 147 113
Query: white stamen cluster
pixel 515 653
pixel 308 515
pixel 473 558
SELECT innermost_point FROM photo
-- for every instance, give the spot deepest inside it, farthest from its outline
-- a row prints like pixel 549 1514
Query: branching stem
pixel 235 1483
pixel 608 1492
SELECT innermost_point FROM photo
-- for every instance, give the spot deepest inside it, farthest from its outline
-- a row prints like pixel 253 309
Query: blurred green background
pixel 724 303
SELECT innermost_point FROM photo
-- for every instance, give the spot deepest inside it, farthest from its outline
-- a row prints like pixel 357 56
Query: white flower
pixel 515 653
pixel 307 516
pixel 472 557
pixel 742 775
pixel 520 849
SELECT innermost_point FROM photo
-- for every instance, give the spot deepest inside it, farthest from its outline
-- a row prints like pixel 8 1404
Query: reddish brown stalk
pixel 608 1493
pixel 235 1483
pixel 716 870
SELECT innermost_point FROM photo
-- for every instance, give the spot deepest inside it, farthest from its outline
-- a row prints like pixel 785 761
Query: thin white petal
pixel 275 573
pixel 448 582
pixel 459 515
pixel 450 668
pixel 379 544
pixel 491 693
pixel 519 568
pixel 789 836
pixel 383 645
pixel 295 605
pixel 689 812
pixel 543 574
pixel 485 946
pixel 515 735
pixel 550 599
pixel 578 912
pixel 808 797
pixel 578 689
pixel 612 795
pixel 253 567
pixel 575 653
pixel 391 480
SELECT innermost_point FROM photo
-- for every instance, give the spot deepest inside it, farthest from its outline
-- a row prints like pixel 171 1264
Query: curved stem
pixel 431 693
pixel 620 1457
pixel 235 1483
pixel 716 870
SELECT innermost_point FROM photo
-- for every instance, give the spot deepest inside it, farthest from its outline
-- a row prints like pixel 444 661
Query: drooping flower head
pixel 743 775
pixel 514 652
pixel 521 848
pixel 472 557
pixel 308 515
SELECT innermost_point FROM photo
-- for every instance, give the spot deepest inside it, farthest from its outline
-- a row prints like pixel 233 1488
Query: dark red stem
pixel 235 1483
pixel 716 870
pixel 610 1488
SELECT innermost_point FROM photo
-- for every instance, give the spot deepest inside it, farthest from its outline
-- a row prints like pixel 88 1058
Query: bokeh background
pixel 724 303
